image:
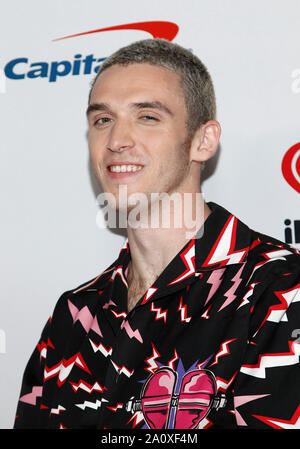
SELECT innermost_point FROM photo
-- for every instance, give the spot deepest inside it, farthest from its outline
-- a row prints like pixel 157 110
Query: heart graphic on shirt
pixel 291 167
pixel 192 403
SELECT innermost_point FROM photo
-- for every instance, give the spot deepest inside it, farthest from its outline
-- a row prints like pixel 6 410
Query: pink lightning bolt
pixel 85 317
pixel 131 334
pixel 215 280
pixel 30 398
pixel 230 294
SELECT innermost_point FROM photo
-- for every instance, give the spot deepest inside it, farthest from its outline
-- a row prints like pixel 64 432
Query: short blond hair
pixel 196 81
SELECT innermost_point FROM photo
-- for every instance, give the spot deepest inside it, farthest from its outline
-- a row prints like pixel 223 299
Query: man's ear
pixel 205 141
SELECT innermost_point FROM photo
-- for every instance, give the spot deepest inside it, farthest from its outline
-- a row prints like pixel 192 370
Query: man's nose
pixel 120 137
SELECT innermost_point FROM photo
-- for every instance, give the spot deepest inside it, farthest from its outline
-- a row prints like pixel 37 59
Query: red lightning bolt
pixel 223 351
pixel 151 360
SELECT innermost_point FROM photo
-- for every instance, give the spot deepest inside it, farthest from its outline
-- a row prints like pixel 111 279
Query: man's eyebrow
pixel 97 107
pixel 152 105
pixel 93 107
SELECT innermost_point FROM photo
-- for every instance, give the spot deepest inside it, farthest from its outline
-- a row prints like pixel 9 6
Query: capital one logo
pixel 291 167
pixel 22 68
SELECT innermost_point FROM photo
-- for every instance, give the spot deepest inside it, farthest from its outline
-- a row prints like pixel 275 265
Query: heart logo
pixel 290 167
pixel 186 409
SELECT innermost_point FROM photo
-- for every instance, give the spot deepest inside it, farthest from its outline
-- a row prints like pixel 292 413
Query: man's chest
pixel 167 345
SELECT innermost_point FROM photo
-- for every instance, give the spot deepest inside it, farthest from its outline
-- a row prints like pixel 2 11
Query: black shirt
pixel 213 343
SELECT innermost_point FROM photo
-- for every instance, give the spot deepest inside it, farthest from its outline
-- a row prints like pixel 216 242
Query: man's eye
pixel 102 120
pixel 149 117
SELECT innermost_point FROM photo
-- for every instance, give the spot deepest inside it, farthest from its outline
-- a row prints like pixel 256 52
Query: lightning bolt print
pixel 117 407
pixel 215 279
pixel 94 405
pixel 222 252
pixel 159 313
pixel 188 258
pixel 222 384
pixel 122 369
pixel 101 348
pixel 173 360
pixel 30 398
pixel 119 272
pixel 131 334
pixel 273 360
pixel 223 351
pixel 183 313
pixel 245 299
pixel 230 294
pixel 137 417
pixel 63 368
pixel 56 411
pixel 152 361
pixel 82 385
pixel 85 317
pixel 276 423
pixel 149 293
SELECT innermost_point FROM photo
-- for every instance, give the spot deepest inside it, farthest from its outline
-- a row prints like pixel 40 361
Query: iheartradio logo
pixel 290 167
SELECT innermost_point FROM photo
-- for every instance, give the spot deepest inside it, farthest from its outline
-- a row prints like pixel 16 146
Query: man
pixel 180 331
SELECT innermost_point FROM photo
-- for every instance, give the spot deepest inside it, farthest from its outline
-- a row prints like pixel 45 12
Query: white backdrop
pixel 49 239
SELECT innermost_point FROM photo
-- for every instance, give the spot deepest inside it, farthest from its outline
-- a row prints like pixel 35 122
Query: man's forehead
pixel 134 78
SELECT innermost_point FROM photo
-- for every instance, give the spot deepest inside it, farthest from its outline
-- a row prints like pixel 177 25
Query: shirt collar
pixel 223 240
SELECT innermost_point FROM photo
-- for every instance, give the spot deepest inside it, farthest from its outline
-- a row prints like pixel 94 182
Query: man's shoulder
pixel 81 294
pixel 271 256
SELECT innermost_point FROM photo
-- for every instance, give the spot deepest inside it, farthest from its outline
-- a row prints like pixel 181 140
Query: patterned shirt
pixel 213 343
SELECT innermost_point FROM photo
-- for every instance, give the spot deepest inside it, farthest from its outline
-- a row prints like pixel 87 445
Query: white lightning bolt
pixel 223 351
pixel 273 360
pixel 137 417
pixel 248 294
pixel 94 405
pixel 189 260
pixel 173 360
pixel 223 384
pixel 286 297
pixel 101 348
pixel 122 370
pixel 119 315
pixel 56 411
pixel 223 251
pixel 151 360
pixel 86 387
pixel 119 271
pixel 271 257
pixel 159 313
pixel 183 312
pixel 205 314
pixel 150 292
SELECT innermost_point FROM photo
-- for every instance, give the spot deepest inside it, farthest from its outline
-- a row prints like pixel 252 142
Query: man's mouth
pixel 124 168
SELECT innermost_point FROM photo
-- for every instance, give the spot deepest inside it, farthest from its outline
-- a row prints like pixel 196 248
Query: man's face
pixel 137 130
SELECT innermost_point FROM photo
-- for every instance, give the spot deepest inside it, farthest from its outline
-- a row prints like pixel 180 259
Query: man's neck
pixel 152 249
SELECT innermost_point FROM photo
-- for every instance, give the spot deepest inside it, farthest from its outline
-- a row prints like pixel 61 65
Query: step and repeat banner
pixel 50 53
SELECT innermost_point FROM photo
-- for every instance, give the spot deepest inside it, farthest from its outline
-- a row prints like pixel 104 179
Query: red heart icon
pixel 197 392
pixel 291 167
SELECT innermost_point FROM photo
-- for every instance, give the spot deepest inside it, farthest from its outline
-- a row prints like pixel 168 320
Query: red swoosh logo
pixel 291 167
pixel 159 29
